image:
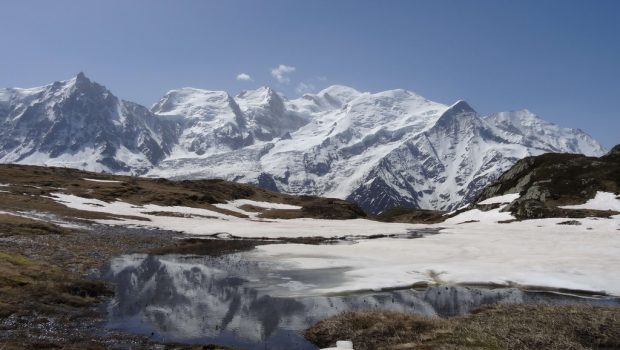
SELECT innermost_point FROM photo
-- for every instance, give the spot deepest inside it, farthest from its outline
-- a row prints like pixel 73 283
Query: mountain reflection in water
pixel 229 300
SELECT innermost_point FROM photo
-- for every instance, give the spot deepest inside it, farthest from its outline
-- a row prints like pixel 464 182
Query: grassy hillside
pixel 28 186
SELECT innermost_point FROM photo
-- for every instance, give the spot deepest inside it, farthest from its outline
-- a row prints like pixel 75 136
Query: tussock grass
pixel 11 225
pixel 411 215
pixel 497 327
pixel 375 329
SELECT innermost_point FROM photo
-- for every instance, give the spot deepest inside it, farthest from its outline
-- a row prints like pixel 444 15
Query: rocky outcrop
pixel 549 181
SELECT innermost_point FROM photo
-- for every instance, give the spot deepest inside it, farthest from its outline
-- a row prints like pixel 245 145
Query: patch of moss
pixel 15 259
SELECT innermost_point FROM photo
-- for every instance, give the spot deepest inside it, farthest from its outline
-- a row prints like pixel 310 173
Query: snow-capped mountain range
pixel 382 150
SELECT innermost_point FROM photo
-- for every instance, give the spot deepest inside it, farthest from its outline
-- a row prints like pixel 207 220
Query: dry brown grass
pixel 11 225
pixel 414 216
pixel 29 183
pixel 26 282
pixel 374 329
pixel 498 327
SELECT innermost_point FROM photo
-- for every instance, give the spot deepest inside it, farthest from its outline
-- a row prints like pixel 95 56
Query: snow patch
pixel 507 198
pixel 103 181
pixel 477 215
pixel 207 222
pixel 602 201
pixel 236 204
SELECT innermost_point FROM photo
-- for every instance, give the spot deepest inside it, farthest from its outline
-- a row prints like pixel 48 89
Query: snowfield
pixel 207 222
pixel 472 247
pixel 531 253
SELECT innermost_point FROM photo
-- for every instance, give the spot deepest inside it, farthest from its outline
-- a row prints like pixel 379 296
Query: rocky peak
pixel 456 115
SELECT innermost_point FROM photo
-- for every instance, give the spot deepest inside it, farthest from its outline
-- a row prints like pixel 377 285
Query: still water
pixel 230 300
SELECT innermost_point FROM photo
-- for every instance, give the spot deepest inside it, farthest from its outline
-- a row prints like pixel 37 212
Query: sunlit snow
pixel 472 247
pixel 102 181
pixel 602 201
pixel 208 222
pixel 507 198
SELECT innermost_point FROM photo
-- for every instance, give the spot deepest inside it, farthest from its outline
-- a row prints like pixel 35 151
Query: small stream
pixel 230 300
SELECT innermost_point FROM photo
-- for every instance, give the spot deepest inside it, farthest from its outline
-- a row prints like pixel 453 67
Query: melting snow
pixel 236 204
pixel 207 222
pixel 507 198
pixel 529 253
pixel 99 180
pixel 532 253
pixel 491 216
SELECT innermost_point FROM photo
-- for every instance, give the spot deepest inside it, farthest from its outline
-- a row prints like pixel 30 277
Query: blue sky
pixel 560 59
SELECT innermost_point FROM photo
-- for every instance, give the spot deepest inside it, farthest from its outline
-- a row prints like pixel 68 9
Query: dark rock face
pixel 377 195
pixel 551 180
pixel 266 181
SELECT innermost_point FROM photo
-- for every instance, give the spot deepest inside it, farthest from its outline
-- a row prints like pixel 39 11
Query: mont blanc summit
pixel 382 150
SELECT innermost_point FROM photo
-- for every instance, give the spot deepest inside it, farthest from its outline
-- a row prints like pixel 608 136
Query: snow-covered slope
pixel 214 122
pixel 78 123
pixel 381 150
pixel 387 149
pixel 527 128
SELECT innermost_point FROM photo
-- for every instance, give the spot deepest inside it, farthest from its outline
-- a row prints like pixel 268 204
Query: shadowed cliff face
pixel 551 180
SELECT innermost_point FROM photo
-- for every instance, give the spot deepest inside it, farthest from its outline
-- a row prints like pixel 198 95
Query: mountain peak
pixel 458 113
pixel 338 89
pixel 82 83
pixel 81 76
pixel 340 92
pixel 196 95
pixel 264 95
pixel 194 103
pixel 81 79
pixel 461 106
pixel 516 118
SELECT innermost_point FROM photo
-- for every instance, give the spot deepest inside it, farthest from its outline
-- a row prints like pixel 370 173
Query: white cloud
pixel 303 88
pixel 244 77
pixel 281 73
